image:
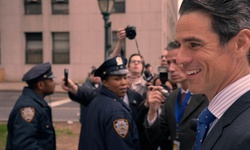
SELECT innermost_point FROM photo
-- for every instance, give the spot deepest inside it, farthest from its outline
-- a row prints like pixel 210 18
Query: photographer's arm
pixel 121 34
pixel 152 122
pixel 84 95
pixel 80 94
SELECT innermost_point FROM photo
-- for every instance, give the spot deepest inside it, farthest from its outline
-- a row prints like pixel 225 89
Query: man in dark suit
pixel 215 40
pixel 181 106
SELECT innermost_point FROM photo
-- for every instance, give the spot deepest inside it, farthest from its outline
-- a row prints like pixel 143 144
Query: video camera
pixel 163 76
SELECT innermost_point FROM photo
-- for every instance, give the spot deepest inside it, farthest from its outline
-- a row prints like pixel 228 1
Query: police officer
pixel 30 122
pixel 107 123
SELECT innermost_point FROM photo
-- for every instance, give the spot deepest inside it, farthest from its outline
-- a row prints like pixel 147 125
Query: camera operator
pixel 179 109
pixel 136 62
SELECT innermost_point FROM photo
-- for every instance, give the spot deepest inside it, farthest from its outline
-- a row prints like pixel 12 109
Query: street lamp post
pixel 106 7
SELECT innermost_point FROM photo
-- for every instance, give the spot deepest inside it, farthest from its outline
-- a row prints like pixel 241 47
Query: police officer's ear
pixel 104 83
pixel 40 85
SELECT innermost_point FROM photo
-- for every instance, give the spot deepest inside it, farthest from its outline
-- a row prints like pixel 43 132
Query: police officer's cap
pixel 113 66
pixel 38 73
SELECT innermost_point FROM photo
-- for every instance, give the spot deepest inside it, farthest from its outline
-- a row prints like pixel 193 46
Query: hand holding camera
pixel 67 84
pixel 130 32
pixel 155 99
pixel 66 72
pixel 163 75
pixel 164 92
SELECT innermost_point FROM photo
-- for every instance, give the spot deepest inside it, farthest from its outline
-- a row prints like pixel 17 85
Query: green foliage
pixel 61 132
pixel 3 135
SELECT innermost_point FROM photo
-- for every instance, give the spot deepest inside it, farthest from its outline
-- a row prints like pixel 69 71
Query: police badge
pixel 119 61
pixel 28 113
pixel 121 127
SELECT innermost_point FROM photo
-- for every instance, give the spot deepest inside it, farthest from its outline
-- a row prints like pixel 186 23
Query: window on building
pixel 61 53
pixel 33 7
pixel 119 6
pixel 114 42
pixel 34 48
pixel 60 7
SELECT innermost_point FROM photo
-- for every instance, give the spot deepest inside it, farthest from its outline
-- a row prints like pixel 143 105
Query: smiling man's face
pixel 203 58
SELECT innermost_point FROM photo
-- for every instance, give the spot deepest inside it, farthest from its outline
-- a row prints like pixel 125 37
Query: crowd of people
pixel 201 102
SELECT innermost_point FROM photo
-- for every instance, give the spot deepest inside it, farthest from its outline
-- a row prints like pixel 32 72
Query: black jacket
pixel 30 123
pixel 164 128
pixel 138 110
pixel 108 125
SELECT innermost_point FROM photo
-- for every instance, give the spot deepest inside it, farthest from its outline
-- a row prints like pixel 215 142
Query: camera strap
pixel 137 46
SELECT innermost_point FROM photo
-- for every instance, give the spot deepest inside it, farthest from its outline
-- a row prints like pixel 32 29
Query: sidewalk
pixel 18 86
pixel 63 108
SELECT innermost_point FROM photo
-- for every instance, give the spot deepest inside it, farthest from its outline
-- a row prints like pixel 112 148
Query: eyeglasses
pixel 136 61
pixel 163 56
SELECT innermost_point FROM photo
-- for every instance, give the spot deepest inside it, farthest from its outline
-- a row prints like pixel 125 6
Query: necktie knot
pixel 183 95
pixel 206 117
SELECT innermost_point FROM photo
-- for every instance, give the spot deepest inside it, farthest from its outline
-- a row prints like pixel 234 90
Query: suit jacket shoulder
pixel 231 132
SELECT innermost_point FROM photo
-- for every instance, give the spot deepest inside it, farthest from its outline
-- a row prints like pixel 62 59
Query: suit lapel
pixel 173 98
pixel 195 102
pixel 213 136
pixel 227 118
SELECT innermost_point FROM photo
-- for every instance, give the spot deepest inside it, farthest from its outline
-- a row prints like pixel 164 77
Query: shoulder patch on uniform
pixel 121 127
pixel 28 113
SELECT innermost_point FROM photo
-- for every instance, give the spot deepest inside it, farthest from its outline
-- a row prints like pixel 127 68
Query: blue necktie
pixel 204 120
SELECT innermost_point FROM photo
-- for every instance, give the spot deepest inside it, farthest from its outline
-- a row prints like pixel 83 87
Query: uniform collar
pixel 38 98
pixel 107 92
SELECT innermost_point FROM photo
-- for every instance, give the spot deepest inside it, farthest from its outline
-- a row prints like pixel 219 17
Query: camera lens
pixel 130 32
